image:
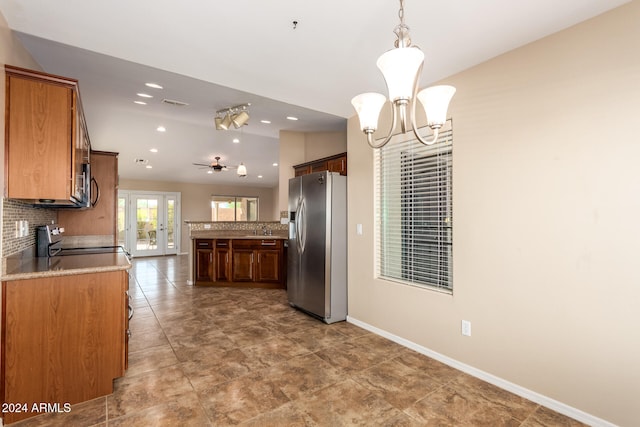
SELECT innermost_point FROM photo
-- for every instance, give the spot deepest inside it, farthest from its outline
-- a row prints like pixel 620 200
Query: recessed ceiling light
pixel 153 85
pixel 161 129
pixel 292 118
pixel 236 140
pixel 266 122
pixel 140 102
pixel 275 164
pixel 149 167
pixel 154 150
pixel 259 176
pixel 144 95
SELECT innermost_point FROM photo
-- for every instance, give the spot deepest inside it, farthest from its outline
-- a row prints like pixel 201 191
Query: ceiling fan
pixel 215 166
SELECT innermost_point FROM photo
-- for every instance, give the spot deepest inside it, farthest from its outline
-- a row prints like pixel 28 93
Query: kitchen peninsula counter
pixel 65 328
pixel 223 234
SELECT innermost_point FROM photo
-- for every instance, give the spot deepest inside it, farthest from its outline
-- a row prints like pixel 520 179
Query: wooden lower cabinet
pixel 242 267
pixel 239 262
pixel 268 268
pixel 222 260
pixel 203 255
pixel 64 339
pixel 222 266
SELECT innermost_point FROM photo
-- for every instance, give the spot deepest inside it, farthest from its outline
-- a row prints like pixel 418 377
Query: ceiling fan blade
pixel 202 164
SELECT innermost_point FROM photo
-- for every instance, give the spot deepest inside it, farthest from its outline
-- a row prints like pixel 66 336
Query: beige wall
pixel 11 52
pixel 195 200
pixel 300 147
pixel 546 236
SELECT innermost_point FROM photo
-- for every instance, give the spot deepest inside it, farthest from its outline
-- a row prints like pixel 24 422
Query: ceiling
pixel 213 55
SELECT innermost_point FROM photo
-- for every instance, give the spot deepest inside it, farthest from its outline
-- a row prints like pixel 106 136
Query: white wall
pixel 546 235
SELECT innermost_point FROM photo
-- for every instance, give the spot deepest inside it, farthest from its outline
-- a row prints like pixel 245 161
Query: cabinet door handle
pixel 268 243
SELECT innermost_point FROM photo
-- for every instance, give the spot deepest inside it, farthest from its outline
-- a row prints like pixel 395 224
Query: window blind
pixel 414 211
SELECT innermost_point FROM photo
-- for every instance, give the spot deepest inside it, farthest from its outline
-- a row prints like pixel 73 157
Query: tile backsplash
pixel 14 210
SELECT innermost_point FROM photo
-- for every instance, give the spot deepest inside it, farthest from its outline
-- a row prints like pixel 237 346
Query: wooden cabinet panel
pixel 336 163
pixel 302 170
pixel 46 140
pixel 204 261
pixel 240 261
pixel 242 265
pixel 101 218
pixel 38 139
pixel 268 269
pixel 318 166
pixel 64 338
pixel 222 265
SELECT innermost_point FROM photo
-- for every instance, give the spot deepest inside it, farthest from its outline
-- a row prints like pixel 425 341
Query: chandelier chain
pixel 402 31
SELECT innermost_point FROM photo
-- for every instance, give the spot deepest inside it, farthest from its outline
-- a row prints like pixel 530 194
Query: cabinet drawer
pixel 271 243
pixel 257 243
pixel 222 243
pixel 204 243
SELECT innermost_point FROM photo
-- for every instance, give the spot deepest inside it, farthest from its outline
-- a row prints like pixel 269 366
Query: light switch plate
pixel 466 328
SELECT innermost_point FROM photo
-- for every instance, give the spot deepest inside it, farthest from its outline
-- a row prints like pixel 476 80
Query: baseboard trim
pixel 538 398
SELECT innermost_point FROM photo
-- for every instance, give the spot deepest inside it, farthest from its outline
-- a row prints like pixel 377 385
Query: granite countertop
pixel 231 234
pixel 28 267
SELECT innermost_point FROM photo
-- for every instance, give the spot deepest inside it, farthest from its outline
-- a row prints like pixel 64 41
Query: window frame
pixel 236 199
pixel 401 242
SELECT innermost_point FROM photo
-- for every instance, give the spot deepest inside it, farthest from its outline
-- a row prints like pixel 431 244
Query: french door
pixel 148 222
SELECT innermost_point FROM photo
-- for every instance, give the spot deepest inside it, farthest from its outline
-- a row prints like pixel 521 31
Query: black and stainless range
pixel 49 243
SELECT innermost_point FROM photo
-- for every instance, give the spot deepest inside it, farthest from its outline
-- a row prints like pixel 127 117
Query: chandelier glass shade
pixel 242 170
pixel 401 68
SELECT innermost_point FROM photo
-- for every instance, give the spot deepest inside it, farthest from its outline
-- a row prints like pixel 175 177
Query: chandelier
pixel 237 116
pixel 401 68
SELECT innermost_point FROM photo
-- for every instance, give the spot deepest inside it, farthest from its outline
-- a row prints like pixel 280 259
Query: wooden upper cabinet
pixel 46 142
pixel 337 163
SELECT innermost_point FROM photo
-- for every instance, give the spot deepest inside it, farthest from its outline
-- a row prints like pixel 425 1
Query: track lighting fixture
pixel 237 115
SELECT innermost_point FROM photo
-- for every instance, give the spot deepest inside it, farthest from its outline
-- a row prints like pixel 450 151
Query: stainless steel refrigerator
pixel 317 247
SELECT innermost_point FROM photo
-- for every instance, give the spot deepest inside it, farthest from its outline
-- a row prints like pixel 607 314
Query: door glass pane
pixel 171 209
pixel 146 224
pixel 122 221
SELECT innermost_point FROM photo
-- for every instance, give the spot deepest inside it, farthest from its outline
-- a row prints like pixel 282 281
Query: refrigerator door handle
pixel 296 226
pixel 302 226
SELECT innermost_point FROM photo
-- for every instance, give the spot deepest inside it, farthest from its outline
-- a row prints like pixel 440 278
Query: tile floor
pixel 223 356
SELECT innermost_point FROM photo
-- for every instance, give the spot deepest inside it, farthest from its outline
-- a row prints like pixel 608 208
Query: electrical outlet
pixel 466 328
